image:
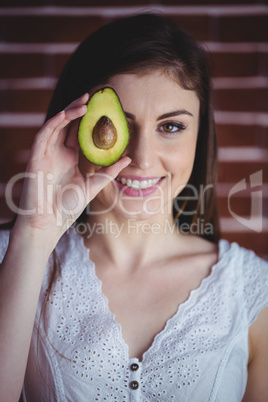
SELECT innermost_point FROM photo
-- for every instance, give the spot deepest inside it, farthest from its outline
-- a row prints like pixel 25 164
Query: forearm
pixel 21 277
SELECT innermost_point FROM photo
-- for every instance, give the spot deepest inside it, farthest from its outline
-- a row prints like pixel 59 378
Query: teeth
pixel 138 185
pixel 135 185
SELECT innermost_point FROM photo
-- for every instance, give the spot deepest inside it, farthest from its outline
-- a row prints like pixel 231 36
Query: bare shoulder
pixel 201 247
pixel 257 386
pixel 196 253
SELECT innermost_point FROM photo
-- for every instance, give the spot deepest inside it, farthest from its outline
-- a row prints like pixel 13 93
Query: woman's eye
pixel 172 127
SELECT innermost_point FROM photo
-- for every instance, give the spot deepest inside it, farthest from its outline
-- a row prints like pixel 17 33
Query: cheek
pixel 181 159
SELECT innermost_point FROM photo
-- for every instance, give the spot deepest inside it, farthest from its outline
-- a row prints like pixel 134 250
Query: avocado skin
pixel 103 102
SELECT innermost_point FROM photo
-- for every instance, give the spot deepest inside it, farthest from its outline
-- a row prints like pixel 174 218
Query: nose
pixel 141 149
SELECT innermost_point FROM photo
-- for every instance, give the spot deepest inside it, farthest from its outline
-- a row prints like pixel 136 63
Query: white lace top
pixel 201 354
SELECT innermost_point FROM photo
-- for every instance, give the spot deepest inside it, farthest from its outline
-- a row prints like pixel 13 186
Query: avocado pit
pixel 104 133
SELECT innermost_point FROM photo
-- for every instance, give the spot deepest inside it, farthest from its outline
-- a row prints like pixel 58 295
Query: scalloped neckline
pixel 222 252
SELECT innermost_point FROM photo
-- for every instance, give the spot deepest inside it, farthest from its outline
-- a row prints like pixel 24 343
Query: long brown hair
pixel 142 43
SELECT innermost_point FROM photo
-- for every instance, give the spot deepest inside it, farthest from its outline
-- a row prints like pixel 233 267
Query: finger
pixel 114 169
pixel 71 140
pixel 104 176
pixel 73 112
pixel 78 102
pixel 59 135
pixel 50 126
pixel 41 138
pixel 68 138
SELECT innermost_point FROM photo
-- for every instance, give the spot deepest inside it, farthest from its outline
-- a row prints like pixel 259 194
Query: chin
pixel 140 209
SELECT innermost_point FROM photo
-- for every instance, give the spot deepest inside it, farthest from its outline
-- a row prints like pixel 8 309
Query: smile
pixel 138 184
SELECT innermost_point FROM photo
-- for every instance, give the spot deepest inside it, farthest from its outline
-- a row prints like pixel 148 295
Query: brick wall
pixel 37 39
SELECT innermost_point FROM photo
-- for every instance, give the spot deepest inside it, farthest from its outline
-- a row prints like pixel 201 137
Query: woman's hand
pixel 55 192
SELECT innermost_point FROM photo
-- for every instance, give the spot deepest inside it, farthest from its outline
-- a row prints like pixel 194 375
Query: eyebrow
pixel 175 113
pixel 163 116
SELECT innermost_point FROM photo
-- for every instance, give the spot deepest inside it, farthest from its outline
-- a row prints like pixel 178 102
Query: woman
pixel 156 311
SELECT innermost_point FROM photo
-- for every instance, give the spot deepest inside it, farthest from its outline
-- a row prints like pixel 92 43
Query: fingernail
pixel 127 158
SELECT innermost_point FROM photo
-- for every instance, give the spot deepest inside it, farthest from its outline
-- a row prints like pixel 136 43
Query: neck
pixel 128 243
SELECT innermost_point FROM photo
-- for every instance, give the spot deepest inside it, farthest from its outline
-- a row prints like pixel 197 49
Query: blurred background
pixel 37 38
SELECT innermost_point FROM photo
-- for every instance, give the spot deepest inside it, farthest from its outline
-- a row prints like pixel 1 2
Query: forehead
pixel 156 91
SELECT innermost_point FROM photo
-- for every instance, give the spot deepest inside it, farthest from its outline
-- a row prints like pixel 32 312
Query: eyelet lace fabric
pixel 78 353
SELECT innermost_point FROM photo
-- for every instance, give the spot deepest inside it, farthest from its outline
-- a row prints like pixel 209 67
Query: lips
pixel 138 186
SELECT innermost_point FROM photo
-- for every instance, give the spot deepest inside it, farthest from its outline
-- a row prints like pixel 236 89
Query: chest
pixel 143 303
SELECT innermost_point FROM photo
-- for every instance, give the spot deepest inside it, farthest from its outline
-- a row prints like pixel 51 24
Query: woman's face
pixel 163 119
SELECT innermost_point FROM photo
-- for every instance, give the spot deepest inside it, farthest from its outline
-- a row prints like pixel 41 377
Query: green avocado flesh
pixel 103 131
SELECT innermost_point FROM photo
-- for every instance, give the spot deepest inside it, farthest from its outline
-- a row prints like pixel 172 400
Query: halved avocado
pixel 103 131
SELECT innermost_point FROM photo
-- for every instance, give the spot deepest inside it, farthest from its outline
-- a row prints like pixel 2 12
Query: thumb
pixel 100 179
